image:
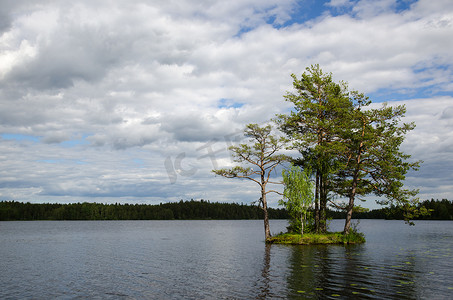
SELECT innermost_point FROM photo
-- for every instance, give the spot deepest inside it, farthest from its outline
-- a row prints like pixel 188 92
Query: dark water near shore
pixel 220 260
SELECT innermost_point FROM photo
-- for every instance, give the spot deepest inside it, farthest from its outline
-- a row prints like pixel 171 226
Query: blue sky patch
pixel 229 103
pixel 403 5
pixel 307 10
pixel 384 95
pixel 75 142
pixel 19 137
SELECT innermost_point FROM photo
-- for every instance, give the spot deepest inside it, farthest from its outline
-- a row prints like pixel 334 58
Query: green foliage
pixel 183 210
pixel 312 127
pixel 371 161
pixel 318 239
pixel 426 210
pixel 317 100
pixel 295 224
pixel 298 197
pixel 354 150
pixel 353 237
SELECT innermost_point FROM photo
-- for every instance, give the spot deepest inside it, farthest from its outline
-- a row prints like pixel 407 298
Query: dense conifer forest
pixel 183 210
pixel 439 210
pixel 189 210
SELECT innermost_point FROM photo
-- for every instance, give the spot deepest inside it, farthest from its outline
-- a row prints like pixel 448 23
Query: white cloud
pixel 372 8
pixel 432 142
pixel 100 84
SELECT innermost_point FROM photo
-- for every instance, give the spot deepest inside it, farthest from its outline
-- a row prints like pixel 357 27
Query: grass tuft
pixel 317 239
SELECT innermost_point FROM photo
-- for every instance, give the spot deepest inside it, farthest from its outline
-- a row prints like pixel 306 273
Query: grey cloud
pixel 44 172
pixel 80 49
pixel 17 183
pixel 126 137
pixel 105 189
pixel 11 8
pixel 19 118
pixel 143 80
pixel 55 138
pixel 447 113
pixel 125 142
pixel 67 59
pixel 197 127
pixel 5 22
pixel 97 140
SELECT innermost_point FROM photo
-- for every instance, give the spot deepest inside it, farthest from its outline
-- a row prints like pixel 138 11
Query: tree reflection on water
pixel 334 272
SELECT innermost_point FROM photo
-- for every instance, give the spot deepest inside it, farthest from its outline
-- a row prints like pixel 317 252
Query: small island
pixel 330 238
pixel 348 150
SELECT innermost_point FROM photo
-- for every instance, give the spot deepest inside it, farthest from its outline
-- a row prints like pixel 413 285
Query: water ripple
pixel 219 260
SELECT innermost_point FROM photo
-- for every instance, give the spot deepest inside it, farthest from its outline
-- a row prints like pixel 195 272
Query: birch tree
pixel 298 195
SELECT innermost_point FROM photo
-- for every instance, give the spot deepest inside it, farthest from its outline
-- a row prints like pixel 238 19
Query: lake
pixel 220 260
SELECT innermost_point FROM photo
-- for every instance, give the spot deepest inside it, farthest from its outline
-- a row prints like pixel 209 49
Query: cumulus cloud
pixel 96 97
pixel 432 142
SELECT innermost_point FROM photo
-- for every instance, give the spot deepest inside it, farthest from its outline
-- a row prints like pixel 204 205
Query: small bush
pixel 354 237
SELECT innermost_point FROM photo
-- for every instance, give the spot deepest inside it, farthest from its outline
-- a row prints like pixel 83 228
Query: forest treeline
pixel 438 210
pixel 183 210
pixel 190 210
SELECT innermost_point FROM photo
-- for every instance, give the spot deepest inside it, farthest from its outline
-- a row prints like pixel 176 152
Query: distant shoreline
pixel 182 210
pixel 188 210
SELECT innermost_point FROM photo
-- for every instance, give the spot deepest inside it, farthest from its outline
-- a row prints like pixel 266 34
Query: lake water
pixel 220 260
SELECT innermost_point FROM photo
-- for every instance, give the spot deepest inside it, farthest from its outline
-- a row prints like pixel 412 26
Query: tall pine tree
pixel 370 158
pixel 354 150
pixel 312 127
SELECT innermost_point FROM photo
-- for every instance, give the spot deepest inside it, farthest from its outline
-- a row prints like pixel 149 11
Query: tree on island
pixel 311 126
pixel 298 196
pixel 353 151
pixel 370 158
pixel 262 156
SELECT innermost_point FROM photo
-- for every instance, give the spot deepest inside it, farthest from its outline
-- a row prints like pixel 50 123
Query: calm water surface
pixel 220 260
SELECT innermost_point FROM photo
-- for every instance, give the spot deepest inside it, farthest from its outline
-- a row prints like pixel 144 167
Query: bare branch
pixel 273 191
pixel 275 182
pixel 337 205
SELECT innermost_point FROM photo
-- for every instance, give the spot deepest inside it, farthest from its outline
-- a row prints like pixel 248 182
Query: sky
pixel 137 101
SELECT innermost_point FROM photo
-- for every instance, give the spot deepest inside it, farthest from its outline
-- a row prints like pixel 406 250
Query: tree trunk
pixel 347 224
pixel 322 205
pixel 317 203
pixel 355 179
pixel 267 231
pixel 302 224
